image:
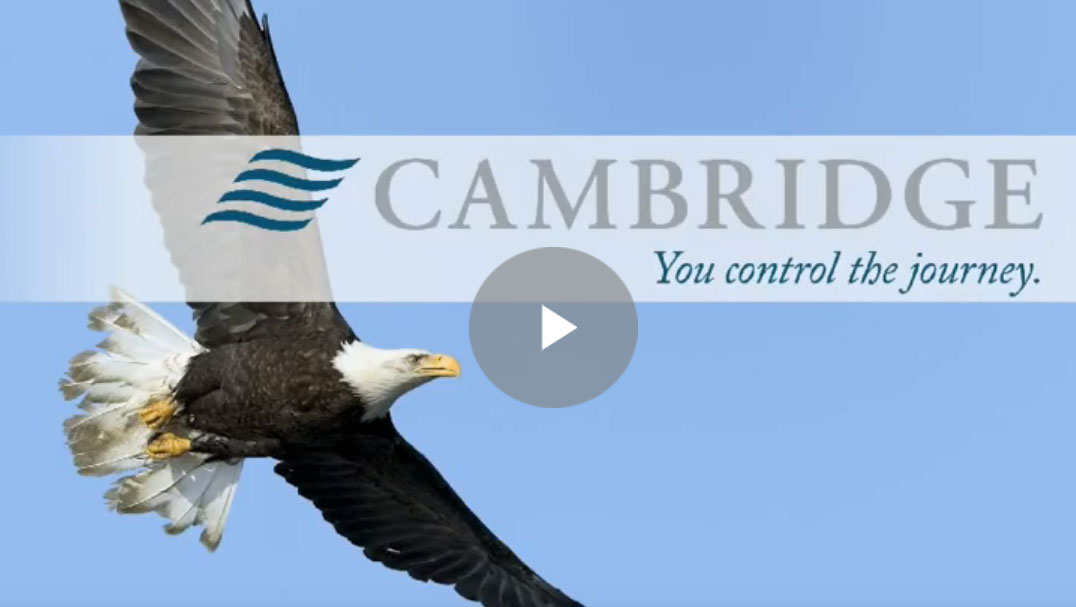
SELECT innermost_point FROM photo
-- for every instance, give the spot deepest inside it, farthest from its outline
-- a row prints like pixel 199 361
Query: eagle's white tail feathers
pixel 188 490
pixel 141 360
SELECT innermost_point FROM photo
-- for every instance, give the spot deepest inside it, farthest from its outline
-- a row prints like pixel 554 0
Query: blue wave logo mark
pixel 279 203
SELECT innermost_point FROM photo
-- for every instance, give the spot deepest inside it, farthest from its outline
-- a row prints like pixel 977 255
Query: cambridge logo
pixel 303 209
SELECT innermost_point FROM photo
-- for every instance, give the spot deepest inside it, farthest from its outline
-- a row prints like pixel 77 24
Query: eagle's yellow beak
pixel 439 365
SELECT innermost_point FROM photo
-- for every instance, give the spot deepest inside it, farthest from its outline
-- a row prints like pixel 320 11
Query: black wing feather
pixel 207 68
pixel 384 496
pixel 220 323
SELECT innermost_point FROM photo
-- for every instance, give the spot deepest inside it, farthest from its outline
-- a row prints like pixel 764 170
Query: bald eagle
pixel 289 381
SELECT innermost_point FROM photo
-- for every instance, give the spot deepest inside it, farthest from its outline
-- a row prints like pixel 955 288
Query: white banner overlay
pixel 426 219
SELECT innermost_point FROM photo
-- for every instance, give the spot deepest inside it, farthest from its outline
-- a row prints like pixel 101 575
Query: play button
pixel 553 327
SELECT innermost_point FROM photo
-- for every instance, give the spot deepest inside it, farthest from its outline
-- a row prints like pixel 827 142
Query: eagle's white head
pixel 378 377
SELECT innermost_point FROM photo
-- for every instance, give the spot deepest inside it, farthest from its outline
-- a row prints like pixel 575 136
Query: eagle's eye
pixel 414 358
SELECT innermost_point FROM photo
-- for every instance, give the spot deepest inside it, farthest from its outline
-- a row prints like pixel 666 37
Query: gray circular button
pixel 553 327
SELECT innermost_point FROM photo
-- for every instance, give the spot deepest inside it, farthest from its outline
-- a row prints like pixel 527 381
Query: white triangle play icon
pixel 554 327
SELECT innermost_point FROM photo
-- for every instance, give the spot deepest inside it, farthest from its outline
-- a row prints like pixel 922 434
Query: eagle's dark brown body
pixel 286 391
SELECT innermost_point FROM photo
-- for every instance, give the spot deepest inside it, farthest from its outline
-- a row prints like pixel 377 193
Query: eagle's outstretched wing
pixel 383 495
pixel 207 67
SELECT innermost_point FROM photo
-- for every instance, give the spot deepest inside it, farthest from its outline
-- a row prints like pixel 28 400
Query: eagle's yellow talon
pixel 167 446
pixel 158 413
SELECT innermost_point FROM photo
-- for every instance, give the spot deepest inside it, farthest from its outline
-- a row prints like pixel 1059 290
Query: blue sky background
pixel 778 455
